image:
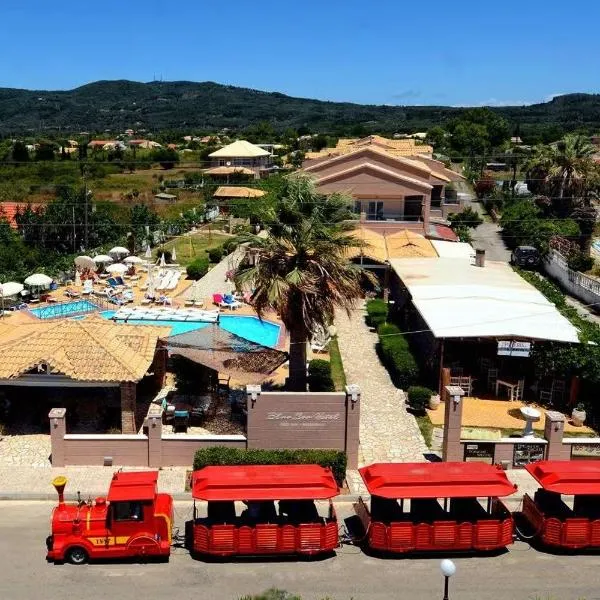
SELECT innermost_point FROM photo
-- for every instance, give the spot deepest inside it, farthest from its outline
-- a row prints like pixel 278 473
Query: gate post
pixel 154 426
pixel 58 429
pixel 451 449
pixel 554 429
pixel 352 425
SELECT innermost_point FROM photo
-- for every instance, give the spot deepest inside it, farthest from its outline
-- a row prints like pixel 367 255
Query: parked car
pixel 525 256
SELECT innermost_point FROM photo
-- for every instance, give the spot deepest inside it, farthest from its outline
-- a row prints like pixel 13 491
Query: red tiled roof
pixel 445 233
pixel 8 211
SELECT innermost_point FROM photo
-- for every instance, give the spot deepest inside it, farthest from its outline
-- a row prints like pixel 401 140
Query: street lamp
pixel 448 569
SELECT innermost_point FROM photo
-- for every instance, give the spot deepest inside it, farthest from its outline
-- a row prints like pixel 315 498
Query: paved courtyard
pixel 387 431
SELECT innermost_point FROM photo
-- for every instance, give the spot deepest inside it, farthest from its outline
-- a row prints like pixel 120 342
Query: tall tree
pixel 300 271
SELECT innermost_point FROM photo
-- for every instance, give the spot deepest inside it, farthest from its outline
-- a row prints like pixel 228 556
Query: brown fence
pixel 275 420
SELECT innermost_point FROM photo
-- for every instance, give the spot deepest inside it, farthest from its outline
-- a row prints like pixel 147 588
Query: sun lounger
pixel 72 293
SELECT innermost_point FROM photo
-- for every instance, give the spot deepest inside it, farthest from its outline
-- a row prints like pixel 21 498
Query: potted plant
pixel 434 402
pixel 578 415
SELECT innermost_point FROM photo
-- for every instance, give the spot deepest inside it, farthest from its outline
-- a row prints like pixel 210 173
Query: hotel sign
pixel 514 348
pixel 585 451
pixel 304 419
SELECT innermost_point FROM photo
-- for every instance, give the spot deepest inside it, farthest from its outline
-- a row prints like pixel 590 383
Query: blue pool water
pixel 63 310
pixel 250 328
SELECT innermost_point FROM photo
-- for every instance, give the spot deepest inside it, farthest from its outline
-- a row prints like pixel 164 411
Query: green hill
pixel 185 105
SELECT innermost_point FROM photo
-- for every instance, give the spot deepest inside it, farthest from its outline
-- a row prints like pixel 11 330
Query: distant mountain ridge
pixel 186 105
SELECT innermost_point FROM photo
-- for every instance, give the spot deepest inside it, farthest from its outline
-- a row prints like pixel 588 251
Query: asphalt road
pixel 521 573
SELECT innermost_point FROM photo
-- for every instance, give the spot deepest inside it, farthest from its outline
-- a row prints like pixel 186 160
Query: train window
pixel 127 511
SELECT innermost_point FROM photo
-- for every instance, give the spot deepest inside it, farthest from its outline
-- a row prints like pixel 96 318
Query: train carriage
pixel 406 514
pixel 294 526
pixel 556 523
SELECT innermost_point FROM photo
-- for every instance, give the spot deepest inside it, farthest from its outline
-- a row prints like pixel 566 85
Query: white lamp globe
pixel 448 568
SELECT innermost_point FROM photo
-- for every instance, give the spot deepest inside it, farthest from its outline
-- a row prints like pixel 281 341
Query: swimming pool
pixel 250 328
pixel 65 309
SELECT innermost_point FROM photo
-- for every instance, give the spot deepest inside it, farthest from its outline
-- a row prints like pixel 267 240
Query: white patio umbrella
pixel 85 262
pixel 148 253
pixel 38 280
pixel 118 251
pixel 133 260
pixel 102 258
pixel 174 255
pixel 11 288
pixel 117 268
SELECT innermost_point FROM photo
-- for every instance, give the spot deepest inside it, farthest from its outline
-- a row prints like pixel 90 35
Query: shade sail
pixel 567 476
pixel 10 288
pixel 133 486
pixel 264 482
pixel 38 280
pixel 436 480
pixel 228 353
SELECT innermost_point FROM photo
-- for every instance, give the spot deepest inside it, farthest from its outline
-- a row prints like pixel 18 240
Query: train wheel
pixel 77 555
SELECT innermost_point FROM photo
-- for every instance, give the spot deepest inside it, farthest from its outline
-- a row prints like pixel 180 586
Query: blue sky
pixel 381 52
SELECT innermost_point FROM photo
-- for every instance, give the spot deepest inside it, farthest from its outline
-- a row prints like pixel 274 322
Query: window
pixel 375 211
pixel 128 511
pixel 357 206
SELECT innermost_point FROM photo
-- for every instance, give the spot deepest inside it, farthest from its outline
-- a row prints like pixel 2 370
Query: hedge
pixel 418 397
pixel 220 455
pixel 319 376
pixel 215 254
pixel 396 355
pixel 377 312
pixel 198 268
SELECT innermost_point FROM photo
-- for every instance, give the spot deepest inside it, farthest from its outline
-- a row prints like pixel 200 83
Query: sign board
pixel 585 451
pixel 480 452
pixel 514 348
pixel 523 454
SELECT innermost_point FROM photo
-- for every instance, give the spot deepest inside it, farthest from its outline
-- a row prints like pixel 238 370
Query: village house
pixel 242 154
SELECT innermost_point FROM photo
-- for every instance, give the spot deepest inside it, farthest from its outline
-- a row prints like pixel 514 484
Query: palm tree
pixel 300 271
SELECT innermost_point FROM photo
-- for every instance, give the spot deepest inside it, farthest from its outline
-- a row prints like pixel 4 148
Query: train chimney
pixel 480 258
pixel 59 484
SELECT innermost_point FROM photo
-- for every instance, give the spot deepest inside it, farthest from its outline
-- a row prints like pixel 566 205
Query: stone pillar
pixel 425 210
pixel 363 217
pixel 352 425
pixel 452 450
pixel 58 429
pixel 159 366
pixel 554 428
pixel 128 397
pixel 154 426
pixel 252 397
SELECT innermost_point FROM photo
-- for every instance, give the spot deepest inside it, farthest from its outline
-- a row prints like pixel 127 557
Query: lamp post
pixel 448 569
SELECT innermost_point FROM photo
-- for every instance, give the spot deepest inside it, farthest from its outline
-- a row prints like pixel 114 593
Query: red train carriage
pixel 553 520
pixel 406 514
pixel 134 520
pixel 294 526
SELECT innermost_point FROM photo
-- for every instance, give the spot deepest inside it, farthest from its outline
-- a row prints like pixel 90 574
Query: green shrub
pixel 319 376
pixel 215 254
pixel 197 268
pixel 230 245
pixel 418 397
pixel 578 261
pixel 397 356
pixel 219 455
pixel 377 312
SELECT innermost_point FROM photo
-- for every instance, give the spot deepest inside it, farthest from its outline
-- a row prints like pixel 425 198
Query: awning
pixel 436 480
pixel 133 486
pixel 264 482
pixel 567 476
pixel 227 353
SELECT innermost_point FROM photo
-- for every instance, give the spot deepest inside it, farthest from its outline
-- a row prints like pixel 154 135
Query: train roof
pixel 567 476
pixel 436 480
pixel 264 482
pixel 133 485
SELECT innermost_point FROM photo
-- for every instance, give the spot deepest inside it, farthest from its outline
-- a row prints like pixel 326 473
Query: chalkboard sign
pixel 480 452
pixel 585 451
pixel 527 453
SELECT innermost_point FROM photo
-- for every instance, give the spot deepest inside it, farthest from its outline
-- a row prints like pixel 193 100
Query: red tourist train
pixel 414 508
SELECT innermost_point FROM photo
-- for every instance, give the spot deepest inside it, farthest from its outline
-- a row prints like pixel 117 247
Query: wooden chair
pixel 558 390
pixel 518 391
pixel 492 377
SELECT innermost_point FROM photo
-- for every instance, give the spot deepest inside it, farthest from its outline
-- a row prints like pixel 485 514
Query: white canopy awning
pixel 458 299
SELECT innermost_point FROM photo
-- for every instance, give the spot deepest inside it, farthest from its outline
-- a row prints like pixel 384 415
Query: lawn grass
pixel 337 366
pixel 426 427
pixel 189 247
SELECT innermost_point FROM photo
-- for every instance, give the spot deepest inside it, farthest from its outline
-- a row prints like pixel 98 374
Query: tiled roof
pixel 404 147
pixel 239 149
pixel 384 246
pixel 8 211
pixel 91 349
